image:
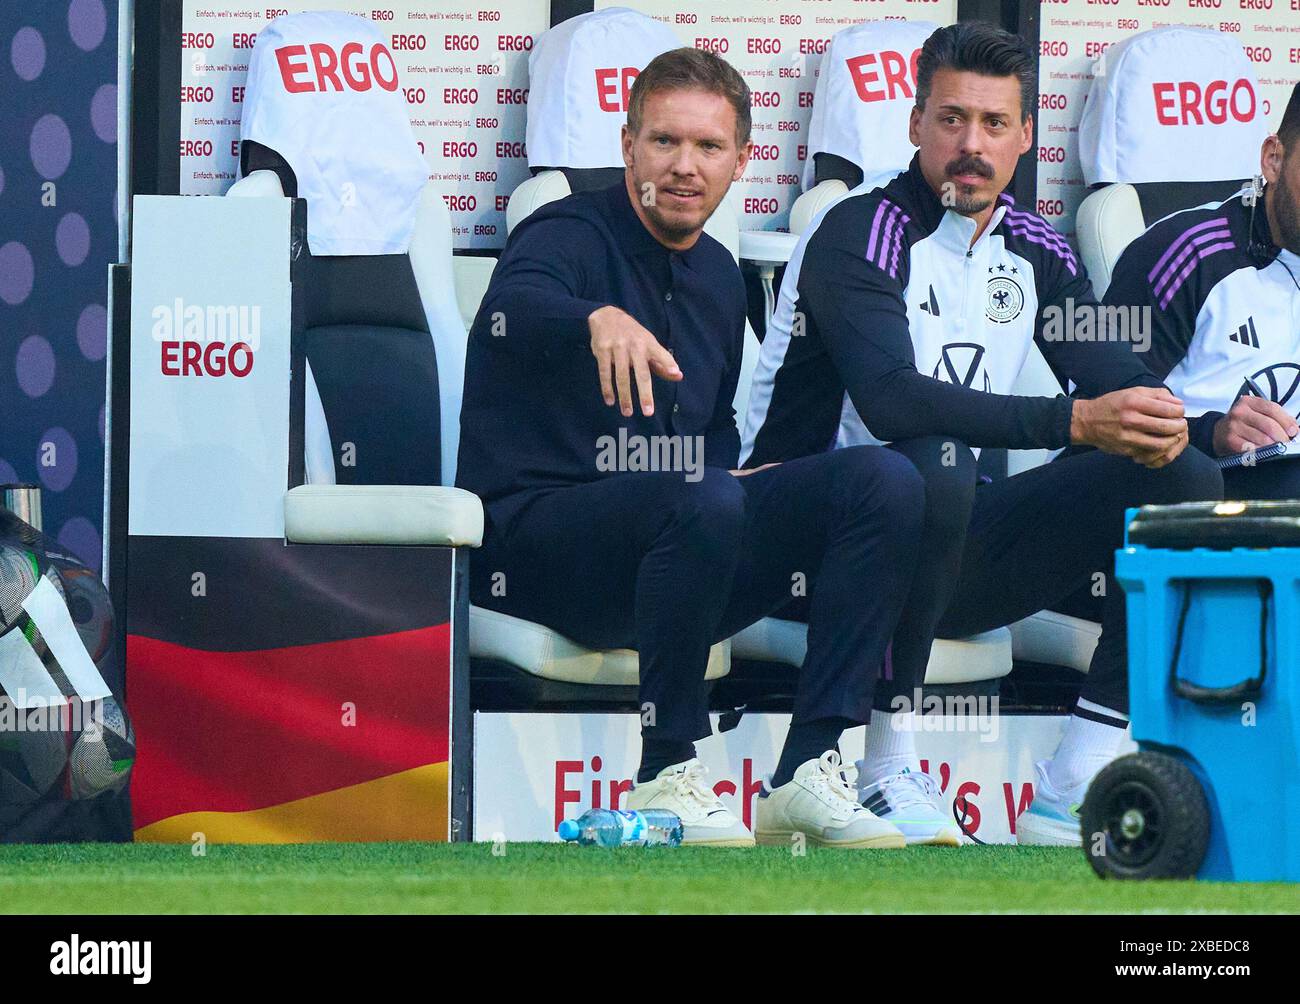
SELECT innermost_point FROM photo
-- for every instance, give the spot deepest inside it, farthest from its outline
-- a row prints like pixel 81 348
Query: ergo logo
pixel 356 71
pixel 1183 103
pixel 211 340
pixel 607 87
pixel 863 70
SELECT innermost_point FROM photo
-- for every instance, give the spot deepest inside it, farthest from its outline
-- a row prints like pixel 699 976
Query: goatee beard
pixel 969 206
pixel 1287 214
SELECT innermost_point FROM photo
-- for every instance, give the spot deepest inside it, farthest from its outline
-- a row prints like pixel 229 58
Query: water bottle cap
pixel 569 830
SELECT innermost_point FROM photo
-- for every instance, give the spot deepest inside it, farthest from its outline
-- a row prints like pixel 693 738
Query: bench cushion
pixel 383 514
pixel 538 650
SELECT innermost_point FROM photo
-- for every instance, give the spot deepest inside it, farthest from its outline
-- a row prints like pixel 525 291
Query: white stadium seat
pixel 322 512
pixel 857 117
pixel 980 657
pixel 548 654
pixel 1055 639
pixel 471 275
pixel 432 515
pixel 1143 172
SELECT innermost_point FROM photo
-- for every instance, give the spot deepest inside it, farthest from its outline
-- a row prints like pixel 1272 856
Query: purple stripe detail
pixel 883 256
pixel 1038 226
pixel 898 244
pixel 1200 240
pixel 1221 221
pixel 1065 254
pixel 1187 270
pixel 1004 197
pixel 1046 235
pixel 875 228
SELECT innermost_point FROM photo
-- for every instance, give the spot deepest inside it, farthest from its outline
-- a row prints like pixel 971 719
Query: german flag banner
pixel 289 693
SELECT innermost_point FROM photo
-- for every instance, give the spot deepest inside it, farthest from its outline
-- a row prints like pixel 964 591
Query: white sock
pixel 1093 736
pixel 890 746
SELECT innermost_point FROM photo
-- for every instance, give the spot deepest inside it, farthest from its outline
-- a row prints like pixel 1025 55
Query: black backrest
pixel 256 157
pixel 370 351
pixel 831 166
pixel 1160 198
pixel 367 340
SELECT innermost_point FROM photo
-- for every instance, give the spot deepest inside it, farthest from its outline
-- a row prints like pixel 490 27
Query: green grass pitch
pixel 551 878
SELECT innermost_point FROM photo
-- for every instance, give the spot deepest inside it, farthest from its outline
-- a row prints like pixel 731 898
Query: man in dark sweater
pixel 598 429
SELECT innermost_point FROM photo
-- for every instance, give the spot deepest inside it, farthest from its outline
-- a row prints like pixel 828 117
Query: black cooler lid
pixel 1217 525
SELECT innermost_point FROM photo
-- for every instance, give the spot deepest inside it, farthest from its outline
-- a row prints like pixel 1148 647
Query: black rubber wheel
pixel 1145 816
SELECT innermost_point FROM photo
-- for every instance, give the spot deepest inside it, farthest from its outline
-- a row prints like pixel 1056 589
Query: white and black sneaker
pixel 911 800
pixel 681 789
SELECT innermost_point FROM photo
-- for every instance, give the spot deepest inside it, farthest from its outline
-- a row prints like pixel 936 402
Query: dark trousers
pixel 1277 479
pixel 667 566
pixel 1273 479
pixel 993 553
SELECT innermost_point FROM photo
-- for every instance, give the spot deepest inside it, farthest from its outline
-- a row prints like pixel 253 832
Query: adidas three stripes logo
pixel 1245 334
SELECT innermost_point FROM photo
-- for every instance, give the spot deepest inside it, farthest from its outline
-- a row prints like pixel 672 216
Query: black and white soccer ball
pixel 31 759
pixel 83 748
pixel 19 572
pixel 104 752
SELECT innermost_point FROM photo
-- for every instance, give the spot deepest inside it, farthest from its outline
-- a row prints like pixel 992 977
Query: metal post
pixel 24 501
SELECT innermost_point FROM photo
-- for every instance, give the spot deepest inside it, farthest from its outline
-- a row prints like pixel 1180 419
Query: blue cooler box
pixel 1213 595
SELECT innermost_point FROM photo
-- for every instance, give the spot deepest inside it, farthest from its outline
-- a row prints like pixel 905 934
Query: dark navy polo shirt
pixel 533 415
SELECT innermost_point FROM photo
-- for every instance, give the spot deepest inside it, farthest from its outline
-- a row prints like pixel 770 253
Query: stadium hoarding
pixel 533 769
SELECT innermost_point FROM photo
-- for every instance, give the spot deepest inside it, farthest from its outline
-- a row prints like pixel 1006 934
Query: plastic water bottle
pixel 619 828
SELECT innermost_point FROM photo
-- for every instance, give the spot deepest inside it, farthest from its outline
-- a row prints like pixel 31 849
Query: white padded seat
pixel 1108 221
pixel 383 514
pixel 533 193
pixel 984 656
pixel 813 202
pixel 548 654
pixel 471 274
pixel 767 247
pixel 1122 142
pixel 1055 639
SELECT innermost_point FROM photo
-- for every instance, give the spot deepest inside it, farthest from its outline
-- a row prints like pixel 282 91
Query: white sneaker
pixel 912 801
pixel 820 802
pixel 681 789
pixel 1052 819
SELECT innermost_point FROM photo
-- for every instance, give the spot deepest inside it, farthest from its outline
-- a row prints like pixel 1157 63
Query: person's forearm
pixel 906 404
pixel 520 314
pixel 1098 368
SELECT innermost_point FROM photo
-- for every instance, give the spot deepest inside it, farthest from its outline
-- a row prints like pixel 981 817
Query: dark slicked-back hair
pixel 691 69
pixel 977 47
pixel 1289 131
